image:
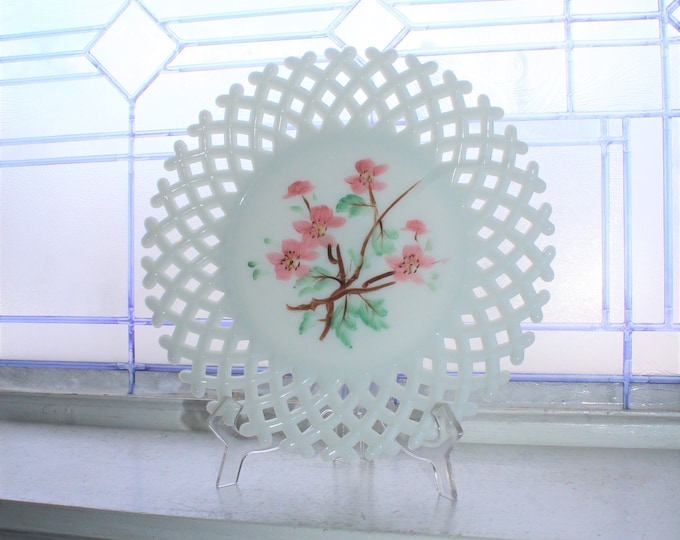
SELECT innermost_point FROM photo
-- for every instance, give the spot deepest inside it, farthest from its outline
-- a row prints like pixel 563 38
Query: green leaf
pixel 372 313
pixel 343 324
pixel 298 209
pixel 256 273
pixel 355 257
pixel 252 264
pixel 353 204
pixel 307 322
pixel 267 240
pixel 381 244
pixel 392 234
pixel 318 279
pixel 428 245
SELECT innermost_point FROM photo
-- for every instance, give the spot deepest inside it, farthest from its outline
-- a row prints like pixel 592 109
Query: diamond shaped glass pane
pixel 369 24
pixel 133 49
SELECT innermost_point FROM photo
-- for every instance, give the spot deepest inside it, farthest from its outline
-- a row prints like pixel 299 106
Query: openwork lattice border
pixel 401 98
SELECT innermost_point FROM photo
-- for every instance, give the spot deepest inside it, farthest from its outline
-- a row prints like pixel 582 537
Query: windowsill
pixel 72 467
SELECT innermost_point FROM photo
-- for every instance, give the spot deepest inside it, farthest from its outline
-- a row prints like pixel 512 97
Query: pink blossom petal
pixel 299 187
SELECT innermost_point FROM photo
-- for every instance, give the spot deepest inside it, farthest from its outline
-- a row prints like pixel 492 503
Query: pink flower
pixel 406 267
pixel 299 187
pixel 315 231
pixel 367 170
pixel 416 226
pixel 289 261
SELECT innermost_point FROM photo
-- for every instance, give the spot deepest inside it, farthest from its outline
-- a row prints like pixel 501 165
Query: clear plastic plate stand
pixel 226 419
pixel 224 422
pixel 438 451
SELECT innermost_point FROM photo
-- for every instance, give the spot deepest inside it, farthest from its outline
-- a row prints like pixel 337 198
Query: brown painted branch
pixel 378 278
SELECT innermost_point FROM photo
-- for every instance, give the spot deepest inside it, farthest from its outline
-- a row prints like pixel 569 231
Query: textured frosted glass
pixel 675 223
pixel 65 150
pixel 147 350
pixel 44 68
pixel 674 75
pixel 539 131
pixel 170 9
pixel 646 156
pixel 48 44
pixel 614 30
pixel 616 234
pixel 21 16
pixel 174 100
pixel 257 52
pixel 359 30
pixel 471 11
pixel 147 174
pixel 583 7
pixel 656 353
pixel 133 48
pixel 55 108
pixel 572 352
pixel 66 342
pixel 64 245
pixel 617 78
pixel 264 25
pixel 593 109
pixel 472 37
pixel 519 82
pixel 576 292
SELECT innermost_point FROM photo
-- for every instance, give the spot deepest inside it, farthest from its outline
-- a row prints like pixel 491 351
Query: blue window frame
pixel 94 94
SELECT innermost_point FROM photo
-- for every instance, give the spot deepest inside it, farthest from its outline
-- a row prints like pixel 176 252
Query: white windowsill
pixel 129 467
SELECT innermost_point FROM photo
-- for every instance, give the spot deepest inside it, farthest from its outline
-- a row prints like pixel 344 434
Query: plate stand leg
pixel 438 452
pixel 224 422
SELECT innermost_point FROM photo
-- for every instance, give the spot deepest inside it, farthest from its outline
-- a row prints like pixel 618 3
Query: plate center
pixel 346 253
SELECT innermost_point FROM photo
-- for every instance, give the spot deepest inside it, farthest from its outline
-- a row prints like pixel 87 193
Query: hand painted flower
pixel 416 226
pixel 289 261
pixel 406 267
pixel 315 232
pixel 299 187
pixel 367 170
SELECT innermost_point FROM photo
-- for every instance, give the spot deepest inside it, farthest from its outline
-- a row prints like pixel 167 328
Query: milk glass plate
pixel 350 245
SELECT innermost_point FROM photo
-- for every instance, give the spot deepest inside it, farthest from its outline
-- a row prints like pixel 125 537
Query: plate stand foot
pixel 224 422
pixel 438 452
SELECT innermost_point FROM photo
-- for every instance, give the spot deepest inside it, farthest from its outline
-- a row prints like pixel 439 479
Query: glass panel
pixel 40 69
pixel 563 131
pixel 59 43
pixel 576 292
pixel 174 100
pixel 133 48
pixel 674 220
pixel 22 16
pixel 18 341
pixel 64 243
pixel 646 177
pixel 597 353
pixel 616 232
pixel 105 148
pixel 583 7
pixel 172 9
pixel 250 53
pixel 467 38
pixel 147 350
pixel 519 82
pixel 358 28
pixel 66 107
pixel 617 78
pixel 614 30
pixel 656 353
pixel 673 76
pixel 466 12
pixel 281 24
